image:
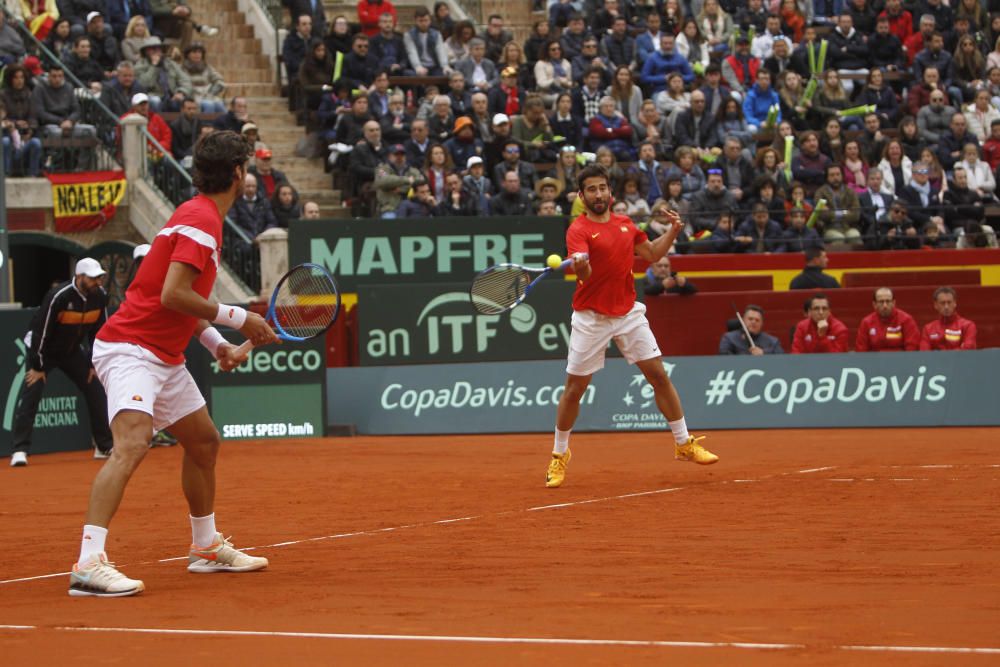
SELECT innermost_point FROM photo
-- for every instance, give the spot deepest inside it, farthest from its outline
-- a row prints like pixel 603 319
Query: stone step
pixel 268 104
pixel 250 89
pixel 228 62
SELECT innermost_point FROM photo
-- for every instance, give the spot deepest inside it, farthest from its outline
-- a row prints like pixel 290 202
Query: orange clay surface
pixel 817 542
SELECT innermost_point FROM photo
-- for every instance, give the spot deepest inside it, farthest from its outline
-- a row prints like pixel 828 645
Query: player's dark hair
pixel 215 157
pixel 592 171
pixel 755 308
pixel 817 295
pixel 812 252
pixel 944 289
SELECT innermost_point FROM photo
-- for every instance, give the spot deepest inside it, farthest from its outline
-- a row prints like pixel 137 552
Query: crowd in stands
pixel 772 125
pixel 133 56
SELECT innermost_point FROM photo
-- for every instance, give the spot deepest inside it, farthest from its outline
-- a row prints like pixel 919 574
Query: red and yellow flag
pixel 85 201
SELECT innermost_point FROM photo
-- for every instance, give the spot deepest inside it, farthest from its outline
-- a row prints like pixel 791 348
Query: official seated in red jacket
pixel 888 329
pixel 820 331
pixel 951 331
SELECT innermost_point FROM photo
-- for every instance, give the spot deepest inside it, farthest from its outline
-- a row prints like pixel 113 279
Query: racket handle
pixel 244 348
pixel 568 262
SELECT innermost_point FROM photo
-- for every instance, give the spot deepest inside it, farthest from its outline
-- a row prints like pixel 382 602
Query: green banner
pixel 276 393
pixel 61 423
pixel 408 324
pixel 364 252
pixel 725 392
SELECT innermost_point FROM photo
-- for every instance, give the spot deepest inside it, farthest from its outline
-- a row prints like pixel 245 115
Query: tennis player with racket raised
pixel 603 245
pixel 139 358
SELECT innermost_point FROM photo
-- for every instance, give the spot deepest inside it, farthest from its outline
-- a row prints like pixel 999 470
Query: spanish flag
pixel 85 201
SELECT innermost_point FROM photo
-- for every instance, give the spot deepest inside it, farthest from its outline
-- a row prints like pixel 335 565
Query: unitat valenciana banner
pixel 85 201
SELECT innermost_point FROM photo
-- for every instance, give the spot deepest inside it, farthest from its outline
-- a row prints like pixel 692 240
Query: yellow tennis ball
pixel 553 261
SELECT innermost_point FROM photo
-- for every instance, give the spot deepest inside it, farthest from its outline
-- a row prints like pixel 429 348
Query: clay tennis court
pixel 799 547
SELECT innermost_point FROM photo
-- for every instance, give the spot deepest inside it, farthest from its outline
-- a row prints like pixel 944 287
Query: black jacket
pixel 66 320
pixel 684 134
pixel 735 342
pixel 812 277
pixel 253 217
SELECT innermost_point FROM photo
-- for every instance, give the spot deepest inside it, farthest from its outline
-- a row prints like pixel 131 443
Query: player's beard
pixel 597 205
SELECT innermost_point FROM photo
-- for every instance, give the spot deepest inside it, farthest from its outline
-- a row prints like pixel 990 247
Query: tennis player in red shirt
pixel 139 358
pixel 888 329
pixel 951 331
pixel 604 308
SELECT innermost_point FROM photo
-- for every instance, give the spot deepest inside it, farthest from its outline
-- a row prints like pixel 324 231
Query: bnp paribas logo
pixel 640 391
pixel 15 385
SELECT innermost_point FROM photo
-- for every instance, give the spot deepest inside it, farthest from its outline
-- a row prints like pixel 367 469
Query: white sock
pixel 562 442
pixel 92 543
pixel 203 530
pixel 680 430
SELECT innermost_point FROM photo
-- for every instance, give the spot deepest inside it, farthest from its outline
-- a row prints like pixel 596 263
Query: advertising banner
pixel 277 393
pixel 407 324
pixel 361 252
pixel 62 422
pixel 787 391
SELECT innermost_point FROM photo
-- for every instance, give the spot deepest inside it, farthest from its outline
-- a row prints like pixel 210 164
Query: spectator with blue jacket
pixel 664 62
pixel 759 101
pixel 647 43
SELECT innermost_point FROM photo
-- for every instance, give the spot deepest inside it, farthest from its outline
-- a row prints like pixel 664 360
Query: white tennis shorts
pixel 135 379
pixel 591 333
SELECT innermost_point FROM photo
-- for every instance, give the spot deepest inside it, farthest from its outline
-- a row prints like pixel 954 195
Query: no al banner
pixel 85 201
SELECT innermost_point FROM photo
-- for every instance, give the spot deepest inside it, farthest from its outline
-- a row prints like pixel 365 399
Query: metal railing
pixel 173 182
pixel 473 9
pixel 273 11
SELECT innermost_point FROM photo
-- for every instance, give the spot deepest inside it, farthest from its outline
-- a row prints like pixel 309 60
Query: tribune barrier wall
pixel 791 391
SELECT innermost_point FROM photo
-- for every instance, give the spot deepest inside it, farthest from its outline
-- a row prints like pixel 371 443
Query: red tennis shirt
pixel 610 290
pixel 193 235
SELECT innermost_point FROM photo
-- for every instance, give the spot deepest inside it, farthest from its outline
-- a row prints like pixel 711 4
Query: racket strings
pixel 306 302
pixel 496 291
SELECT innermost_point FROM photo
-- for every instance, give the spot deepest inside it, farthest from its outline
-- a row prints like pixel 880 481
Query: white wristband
pixel 211 339
pixel 231 316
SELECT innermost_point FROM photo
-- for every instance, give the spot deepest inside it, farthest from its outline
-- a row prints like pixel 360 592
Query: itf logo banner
pixel 790 391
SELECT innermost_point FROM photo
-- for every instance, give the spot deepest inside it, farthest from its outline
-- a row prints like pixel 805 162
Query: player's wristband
pixel 231 316
pixel 211 339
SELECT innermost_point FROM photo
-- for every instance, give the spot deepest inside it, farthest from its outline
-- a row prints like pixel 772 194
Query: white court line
pixel 557 641
pixel 18 627
pixel 362 533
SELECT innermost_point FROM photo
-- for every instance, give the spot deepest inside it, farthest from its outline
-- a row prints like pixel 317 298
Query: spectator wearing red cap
pixel 888 329
pixel 820 331
pixel 268 178
pixel 951 331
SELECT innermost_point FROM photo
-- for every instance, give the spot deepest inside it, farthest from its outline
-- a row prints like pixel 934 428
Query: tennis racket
pixel 502 287
pixel 305 303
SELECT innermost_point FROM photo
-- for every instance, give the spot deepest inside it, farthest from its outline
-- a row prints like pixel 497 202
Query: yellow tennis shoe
pixel 557 469
pixel 694 452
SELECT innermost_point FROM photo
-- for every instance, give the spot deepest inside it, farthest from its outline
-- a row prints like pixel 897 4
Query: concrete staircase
pixel 236 53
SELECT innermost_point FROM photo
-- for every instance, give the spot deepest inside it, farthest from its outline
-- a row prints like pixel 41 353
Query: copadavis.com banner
pixel 790 391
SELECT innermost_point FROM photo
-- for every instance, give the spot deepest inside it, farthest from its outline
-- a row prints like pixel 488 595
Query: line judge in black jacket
pixel 735 341
pixel 62 336
pixel 812 277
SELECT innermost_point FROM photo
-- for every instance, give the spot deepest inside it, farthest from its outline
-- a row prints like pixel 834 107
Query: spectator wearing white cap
pixel 156 126
pixel 77 11
pixel 61 336
pixel 103 46
pixel 476 183
pixel 493 152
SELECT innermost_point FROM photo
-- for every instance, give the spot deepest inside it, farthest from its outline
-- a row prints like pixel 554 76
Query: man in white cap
pixel 104 47
pixel 62 336
pixel 156 126
pixel 493 152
